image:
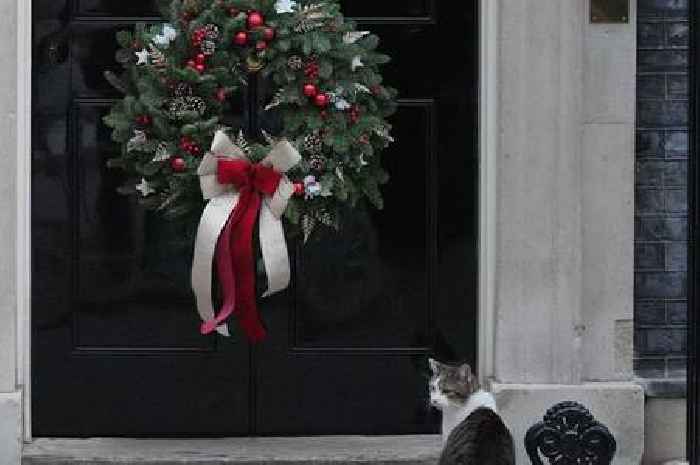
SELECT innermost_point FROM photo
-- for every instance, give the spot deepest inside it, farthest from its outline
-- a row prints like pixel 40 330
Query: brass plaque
pixel 610 11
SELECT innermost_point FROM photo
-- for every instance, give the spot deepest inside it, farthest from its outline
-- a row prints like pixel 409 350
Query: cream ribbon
pixel 223 198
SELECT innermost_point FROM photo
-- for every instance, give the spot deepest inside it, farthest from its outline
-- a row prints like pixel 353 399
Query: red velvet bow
pixel 234 249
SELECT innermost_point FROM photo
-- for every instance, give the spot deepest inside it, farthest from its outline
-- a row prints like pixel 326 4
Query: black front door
pixel 116 348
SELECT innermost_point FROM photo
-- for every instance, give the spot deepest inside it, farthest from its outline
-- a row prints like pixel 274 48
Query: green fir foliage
pixel 171 109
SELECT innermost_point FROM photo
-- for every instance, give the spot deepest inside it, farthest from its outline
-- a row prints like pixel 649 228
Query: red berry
pixel 310 90
pixel 200 68
pixel 269 33
pixel 196 150
pixel 299 188
pixel 241 38
pixel 260 45
pixel 221 94
pixel 255 20
pixel 178 164
pixel 200 59
pixel 321 100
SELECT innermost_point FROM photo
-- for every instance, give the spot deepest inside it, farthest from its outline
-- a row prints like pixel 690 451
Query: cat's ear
pixel 434 365
pixel 465 372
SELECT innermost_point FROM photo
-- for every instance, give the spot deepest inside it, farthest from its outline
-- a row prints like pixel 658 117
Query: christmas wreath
pixel 188 154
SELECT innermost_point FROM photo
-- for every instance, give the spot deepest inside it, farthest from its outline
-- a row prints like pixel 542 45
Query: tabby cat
pixel 472 430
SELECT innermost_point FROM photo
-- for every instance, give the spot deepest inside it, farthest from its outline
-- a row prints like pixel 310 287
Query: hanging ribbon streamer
pixel 238 191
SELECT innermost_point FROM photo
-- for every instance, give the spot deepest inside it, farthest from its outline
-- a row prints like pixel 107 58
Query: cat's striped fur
pixel 481 439
pixel 473 432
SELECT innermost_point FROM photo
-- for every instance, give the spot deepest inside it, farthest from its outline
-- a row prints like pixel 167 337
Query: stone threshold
pixel 323 450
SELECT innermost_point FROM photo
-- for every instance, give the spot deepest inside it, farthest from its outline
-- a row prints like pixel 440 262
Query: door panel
pixel 116 351
pixel 370 303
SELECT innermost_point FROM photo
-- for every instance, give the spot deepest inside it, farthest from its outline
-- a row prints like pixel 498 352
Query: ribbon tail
pixel 244 267
pixel 274 251
pixel 214 219
pixel 227 281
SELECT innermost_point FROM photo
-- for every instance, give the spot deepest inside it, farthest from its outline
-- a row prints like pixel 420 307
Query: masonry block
pixel 619 406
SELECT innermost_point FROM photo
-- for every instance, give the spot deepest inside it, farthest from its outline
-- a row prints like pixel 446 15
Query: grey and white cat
pixel 472 430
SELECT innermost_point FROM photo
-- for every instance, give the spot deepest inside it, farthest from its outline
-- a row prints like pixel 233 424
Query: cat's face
pixel 450 385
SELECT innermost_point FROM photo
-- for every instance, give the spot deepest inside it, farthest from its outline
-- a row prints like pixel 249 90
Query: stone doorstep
pixel 324 450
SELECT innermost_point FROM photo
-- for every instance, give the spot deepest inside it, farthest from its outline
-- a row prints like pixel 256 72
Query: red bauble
pixel 185 143
pixel 299 188
pixel 269 33
pixel 241 38
pixel 310 90
pixel 261 45
pixel 178 164
pixel 322 100
pixel 221 95
pixel 143 120
pixel 255 20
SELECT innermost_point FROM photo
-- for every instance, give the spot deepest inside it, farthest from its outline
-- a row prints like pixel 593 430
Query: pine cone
pixel 313 144
pixel 211 32
pixel 181 105
pixel 295 63
pixel 183 89
pixel 208 47
pixel 317 163
pixel 197 104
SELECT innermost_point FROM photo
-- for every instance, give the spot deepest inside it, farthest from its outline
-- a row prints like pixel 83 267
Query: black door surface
pixel 116 348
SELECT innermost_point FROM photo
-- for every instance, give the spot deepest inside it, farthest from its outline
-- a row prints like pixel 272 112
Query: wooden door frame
pixel 488 145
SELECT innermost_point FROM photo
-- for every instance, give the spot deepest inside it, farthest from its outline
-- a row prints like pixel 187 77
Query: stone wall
pixel 661 195
pixel 564 254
